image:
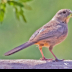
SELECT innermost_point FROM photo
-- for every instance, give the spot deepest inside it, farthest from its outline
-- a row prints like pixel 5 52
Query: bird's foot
pixel 57 60
pixel 46 59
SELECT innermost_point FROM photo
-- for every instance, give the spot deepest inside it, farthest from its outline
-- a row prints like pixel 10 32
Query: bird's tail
pixel 25 45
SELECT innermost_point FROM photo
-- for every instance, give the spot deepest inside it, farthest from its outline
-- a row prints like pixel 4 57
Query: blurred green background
pixel 14 33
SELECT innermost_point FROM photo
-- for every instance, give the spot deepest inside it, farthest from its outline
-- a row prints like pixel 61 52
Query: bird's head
pixel 63 15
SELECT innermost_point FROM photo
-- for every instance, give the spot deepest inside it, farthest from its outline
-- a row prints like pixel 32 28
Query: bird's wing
pixel 35 34
pixel 48 32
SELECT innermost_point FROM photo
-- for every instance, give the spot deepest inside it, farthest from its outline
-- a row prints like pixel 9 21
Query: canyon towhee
pixel 49 35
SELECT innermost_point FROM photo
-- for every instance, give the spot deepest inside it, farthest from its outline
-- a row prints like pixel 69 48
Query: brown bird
pixel 49 35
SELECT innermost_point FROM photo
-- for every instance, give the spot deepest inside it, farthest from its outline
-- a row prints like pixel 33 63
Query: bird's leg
pixel 43 58
pixel 56 59
pixel 42 54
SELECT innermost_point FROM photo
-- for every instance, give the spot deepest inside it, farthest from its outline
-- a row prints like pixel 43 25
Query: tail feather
pixel 25 45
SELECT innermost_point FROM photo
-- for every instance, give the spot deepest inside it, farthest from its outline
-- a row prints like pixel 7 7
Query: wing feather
pixel 48 32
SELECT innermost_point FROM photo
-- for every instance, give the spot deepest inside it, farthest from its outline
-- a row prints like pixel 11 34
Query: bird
pixel 49 35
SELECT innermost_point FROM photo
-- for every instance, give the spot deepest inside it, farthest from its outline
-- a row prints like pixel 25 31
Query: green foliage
pixel 24 0
pixel 2 11
pixel 14 3
pixel 18 5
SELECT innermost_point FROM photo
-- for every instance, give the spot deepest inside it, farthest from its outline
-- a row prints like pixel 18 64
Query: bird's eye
pixel 64 12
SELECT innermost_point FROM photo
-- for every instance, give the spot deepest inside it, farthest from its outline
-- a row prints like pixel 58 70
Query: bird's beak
pixel 70 15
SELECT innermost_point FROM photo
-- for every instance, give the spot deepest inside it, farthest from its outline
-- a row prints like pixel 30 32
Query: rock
pixel 34 64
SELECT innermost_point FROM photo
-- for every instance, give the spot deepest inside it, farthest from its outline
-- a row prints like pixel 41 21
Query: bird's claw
pixel 46 59
pixel 57 60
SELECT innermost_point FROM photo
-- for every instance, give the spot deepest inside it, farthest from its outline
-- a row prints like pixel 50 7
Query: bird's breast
pixel 63 36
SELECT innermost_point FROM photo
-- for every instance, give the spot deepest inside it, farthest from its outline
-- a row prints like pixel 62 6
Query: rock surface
pixel 34 64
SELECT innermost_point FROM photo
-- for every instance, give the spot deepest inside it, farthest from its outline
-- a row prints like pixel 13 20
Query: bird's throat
pixel 68 18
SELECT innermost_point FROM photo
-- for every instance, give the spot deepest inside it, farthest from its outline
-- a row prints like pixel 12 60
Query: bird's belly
pixel 61 39
pixel 43 43
pixel 53 41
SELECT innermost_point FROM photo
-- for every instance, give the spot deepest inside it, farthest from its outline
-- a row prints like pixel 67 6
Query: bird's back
pixel 51 33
